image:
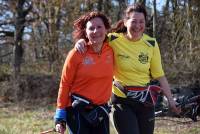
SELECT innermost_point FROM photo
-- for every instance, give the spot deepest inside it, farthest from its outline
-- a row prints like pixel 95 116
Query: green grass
pixel 26 119
pixel 18 120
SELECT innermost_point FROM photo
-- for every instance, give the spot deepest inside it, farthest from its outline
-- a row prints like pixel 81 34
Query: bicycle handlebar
pixel 189 106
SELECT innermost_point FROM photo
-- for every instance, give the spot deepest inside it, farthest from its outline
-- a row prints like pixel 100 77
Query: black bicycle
pixel 190 107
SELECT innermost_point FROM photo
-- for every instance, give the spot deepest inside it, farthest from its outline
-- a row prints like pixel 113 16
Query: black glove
pixel 60 117
pixel 61 122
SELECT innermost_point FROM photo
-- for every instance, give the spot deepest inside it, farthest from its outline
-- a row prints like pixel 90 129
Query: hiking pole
pixel 48 131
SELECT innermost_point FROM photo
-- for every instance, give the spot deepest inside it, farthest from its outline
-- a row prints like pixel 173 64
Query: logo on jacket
pixel 88 60
pixel 143 58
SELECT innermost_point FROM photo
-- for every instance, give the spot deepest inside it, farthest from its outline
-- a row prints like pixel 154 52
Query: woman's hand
pixel 173 106
pixel 80 46
pixel 167 92
pixel 60 128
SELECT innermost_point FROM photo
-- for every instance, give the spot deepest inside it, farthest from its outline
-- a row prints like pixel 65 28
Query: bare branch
pixel 1 56
pixel 7 33
pixel 7 22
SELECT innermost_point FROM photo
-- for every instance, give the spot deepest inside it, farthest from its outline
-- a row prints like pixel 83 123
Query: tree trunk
pixel 143 2
pixel 166 8
pixel 20 20
pixel 122 6
pixel 189 21
pixel 154 18
pixel 99 6
pixel 19 28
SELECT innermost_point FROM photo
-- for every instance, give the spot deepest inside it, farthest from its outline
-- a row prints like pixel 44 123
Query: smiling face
pixel 96 31
pixel 135 25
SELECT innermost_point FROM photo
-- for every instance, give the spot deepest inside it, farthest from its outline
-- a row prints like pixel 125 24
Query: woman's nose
pixel 96 30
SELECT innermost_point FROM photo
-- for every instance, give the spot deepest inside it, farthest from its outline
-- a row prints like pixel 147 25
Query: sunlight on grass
pixel 34 120
pixel 21 121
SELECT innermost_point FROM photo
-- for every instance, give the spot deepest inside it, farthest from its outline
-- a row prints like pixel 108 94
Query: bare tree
pixel 142 1
pixel 154 18
pixel 20 21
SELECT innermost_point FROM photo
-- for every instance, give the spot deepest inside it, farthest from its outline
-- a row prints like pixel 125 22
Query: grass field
pixel 26 119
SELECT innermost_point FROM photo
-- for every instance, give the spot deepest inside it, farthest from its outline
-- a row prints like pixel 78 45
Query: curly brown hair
pixel 80 24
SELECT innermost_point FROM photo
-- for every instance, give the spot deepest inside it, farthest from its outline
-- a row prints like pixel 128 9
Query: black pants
pixel 131 117
pixel 78 125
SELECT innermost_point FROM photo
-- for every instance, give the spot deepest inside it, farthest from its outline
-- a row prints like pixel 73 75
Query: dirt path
pixel 169 125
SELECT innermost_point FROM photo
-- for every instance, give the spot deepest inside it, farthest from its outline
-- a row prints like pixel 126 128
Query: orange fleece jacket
pixel 89 75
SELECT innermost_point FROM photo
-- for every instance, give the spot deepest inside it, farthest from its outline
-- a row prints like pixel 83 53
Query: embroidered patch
pixel 88 60
pixel 143 58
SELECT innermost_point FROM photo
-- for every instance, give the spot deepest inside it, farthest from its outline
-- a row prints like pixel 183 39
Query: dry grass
pixel 26 119
pixel 169 125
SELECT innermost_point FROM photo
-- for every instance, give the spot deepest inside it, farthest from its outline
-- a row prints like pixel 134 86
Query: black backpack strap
pixel 80 98
pixel 120 87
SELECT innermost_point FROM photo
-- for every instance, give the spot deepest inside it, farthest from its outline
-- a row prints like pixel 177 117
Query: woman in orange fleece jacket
pixel 86 80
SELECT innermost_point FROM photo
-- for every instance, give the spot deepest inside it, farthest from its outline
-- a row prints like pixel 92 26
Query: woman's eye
pixel 91 28
pixel 133 22
pixel 142 22
pixel 98 27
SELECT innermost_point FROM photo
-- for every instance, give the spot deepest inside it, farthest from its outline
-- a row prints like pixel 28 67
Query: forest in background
pixel 35 37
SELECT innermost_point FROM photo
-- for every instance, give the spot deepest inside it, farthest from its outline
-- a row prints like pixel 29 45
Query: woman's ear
pixel 107 32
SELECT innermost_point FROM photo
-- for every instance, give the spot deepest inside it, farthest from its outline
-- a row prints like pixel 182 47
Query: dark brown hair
pixel 137 7
pixel 80 24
